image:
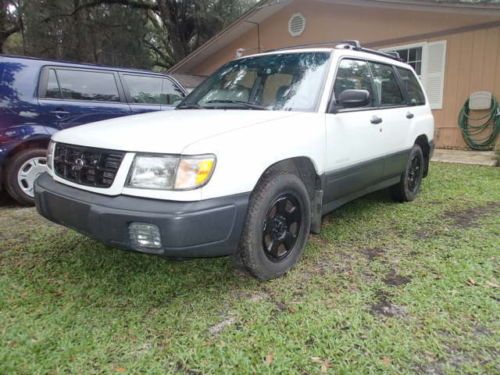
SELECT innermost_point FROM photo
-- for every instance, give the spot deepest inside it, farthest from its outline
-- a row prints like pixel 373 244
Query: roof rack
pixel 354 45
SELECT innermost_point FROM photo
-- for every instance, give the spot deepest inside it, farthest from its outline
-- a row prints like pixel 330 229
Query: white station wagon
pixel 250 161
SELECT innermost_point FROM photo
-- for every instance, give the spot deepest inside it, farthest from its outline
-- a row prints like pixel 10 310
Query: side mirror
pixel 352 99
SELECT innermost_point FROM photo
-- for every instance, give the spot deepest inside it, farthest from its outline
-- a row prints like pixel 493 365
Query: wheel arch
pixel 302 166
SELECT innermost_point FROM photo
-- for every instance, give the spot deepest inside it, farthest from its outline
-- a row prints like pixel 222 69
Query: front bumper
pixel 188 229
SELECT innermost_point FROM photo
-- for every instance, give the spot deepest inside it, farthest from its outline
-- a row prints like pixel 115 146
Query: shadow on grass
pixel 6 201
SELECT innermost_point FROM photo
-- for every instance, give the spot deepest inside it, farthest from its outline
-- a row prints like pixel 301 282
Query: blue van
pixel 40 97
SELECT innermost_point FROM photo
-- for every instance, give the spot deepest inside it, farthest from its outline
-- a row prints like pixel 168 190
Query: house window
pixel 412 56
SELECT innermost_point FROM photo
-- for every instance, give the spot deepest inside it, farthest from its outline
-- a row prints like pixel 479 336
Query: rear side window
pixel 171 94
pixel 87 85
pixel 386 84
pixel 144 90
pixel 411 86
pixel 353 75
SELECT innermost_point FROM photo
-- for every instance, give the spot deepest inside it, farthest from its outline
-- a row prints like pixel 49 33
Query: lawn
pixel 386 288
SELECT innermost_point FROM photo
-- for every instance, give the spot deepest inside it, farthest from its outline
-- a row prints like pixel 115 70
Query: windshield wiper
pixel 238 104
pixel 189 106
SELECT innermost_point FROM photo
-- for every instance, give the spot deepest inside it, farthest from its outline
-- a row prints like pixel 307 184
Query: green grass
pixel 386 288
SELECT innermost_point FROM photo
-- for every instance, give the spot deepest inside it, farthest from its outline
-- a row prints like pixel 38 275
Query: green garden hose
pixel 479 137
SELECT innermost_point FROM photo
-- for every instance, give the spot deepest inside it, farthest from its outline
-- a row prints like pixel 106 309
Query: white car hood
pixel 163 132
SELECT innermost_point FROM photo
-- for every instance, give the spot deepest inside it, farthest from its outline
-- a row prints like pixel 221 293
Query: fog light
pixel 145 235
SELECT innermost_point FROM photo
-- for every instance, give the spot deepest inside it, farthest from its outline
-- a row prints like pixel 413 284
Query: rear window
pixel 386 84
pixel 82 85
pixel 411 86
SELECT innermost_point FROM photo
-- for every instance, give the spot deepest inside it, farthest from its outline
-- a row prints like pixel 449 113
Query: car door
pixel 71 96
pixel 354 136
pixel 394 113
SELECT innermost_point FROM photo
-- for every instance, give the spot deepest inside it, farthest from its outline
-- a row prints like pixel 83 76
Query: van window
pixel 53 89
pixel 354 75
pixel 87 85
pixel 411 86
pixel 171 94
pixel 144 90
pixel 386 84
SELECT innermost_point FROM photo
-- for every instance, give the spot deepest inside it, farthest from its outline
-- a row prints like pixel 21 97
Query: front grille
pixel 87 166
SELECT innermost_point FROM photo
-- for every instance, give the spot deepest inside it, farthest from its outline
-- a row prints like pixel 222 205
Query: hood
pixel 163 132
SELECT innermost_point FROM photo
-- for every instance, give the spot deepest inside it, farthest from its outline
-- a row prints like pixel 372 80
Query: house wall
pixel 472 62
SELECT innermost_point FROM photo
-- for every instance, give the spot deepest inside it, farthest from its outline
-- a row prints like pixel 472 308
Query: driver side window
pixel 353 75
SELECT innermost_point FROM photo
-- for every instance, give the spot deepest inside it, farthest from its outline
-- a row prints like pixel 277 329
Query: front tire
pixel 411 179
pixel 277 226
pixel 21 173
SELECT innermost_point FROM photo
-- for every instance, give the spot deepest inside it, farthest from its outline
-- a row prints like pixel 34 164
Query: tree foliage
pixel 136 33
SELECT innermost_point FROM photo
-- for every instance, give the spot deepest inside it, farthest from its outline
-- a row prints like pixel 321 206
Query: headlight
pixel 170 172
pixel 153 172
pixel 50 154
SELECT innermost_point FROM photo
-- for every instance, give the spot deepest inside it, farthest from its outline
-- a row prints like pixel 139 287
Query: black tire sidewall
pixel 252 251
pixel 11 184
pixel 411 195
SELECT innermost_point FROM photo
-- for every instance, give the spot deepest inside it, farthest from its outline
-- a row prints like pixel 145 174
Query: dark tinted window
pixel 354 75
pixel 411 86
pixel 386 85
pixel 171 94
pixel 53 90
pixel 86 85
pixel 144 90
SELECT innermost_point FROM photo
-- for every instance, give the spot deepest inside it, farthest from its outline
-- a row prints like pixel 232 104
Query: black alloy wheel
pixel 281 227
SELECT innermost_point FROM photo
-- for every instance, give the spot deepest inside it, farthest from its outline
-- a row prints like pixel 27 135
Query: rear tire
pixel 411 179
pixel 277 226
pixel 21 173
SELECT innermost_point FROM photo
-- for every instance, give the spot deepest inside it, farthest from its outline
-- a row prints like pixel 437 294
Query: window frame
pixel 44 76
pixel 377 106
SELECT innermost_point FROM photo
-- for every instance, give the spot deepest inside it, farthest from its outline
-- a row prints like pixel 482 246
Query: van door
pixel 396 125
pixel 69 96
pixel 354 138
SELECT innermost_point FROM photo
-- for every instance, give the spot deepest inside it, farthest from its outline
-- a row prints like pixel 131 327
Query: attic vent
pixel 297 24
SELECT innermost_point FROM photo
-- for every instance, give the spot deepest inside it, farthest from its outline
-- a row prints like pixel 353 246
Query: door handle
pixel 376 120
pixel 59 112
pixel 410 115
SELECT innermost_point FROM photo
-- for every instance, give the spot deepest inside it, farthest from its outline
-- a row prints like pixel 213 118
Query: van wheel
pixel 21 173
pixel 277 226
pixel 411 179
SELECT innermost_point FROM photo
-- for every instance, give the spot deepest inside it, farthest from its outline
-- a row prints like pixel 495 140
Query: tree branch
pixel 130 3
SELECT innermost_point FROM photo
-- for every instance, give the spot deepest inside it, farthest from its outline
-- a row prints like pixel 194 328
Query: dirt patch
pixel 469 217
pixel 384 307
pixel 18 225
pixel 372 254
pixel 393 279
pixel 219 327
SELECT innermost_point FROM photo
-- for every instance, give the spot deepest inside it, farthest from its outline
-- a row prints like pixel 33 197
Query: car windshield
pixel 279 82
